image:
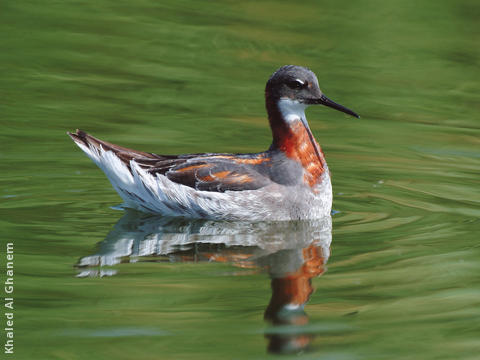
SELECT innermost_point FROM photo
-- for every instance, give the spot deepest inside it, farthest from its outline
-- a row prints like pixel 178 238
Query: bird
pixel 289 181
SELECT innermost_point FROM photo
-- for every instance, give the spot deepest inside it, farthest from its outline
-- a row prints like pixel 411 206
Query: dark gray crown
pixel 294 82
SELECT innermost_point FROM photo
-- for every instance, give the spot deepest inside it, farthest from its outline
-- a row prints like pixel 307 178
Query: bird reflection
pixel 292 253
pixel 290 292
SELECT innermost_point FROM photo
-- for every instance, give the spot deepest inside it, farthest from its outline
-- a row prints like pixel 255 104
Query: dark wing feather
pixel 212 172
pixel 208 172
pixel 123 153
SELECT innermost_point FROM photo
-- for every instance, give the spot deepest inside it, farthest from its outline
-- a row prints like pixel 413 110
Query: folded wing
pixel 207 172
pixel 211 172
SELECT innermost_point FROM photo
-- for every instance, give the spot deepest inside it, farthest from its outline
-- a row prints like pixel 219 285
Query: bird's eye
pixel 296 84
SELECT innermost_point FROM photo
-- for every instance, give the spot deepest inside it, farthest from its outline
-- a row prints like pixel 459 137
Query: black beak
pixel 327 102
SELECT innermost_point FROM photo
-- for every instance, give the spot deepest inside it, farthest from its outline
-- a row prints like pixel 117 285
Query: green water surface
pixel 402 279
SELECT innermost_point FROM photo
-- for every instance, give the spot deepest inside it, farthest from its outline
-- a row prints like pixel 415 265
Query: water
pixel 400 278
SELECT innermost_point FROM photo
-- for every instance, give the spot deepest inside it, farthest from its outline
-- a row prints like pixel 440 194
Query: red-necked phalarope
pixel 289 181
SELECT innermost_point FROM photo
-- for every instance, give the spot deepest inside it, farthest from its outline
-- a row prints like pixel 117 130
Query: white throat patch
pixel 292 110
